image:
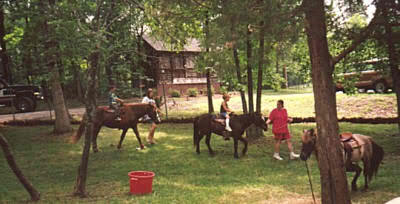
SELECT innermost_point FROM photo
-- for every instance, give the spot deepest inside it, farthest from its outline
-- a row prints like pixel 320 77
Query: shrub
pixel 204 91
pixel 174 93
pixel 192 92
pixel 222 90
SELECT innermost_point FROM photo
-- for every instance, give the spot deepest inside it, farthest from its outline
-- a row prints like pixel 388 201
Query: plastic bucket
pixel 141 182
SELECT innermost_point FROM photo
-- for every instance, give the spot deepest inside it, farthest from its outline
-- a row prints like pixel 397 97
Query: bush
pixel 204 91
pixel 222 90
pixel 174 93
pixel 192 92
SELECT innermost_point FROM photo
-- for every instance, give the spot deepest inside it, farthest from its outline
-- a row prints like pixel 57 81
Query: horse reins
pixel 309 179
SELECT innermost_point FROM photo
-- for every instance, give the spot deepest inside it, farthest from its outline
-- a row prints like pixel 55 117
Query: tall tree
pixel 208 71
pixel 391 14
pixel 90 102
pixel 62 121
pixel 333 179
pixel 3 47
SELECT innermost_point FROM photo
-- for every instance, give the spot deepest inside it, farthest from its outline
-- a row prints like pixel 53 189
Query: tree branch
pixel 363 35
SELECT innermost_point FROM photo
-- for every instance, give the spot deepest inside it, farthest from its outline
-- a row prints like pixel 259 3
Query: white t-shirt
pixel 149 101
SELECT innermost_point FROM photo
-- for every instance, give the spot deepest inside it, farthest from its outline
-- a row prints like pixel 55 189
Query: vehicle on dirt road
pixel 23 97
pixel 378 81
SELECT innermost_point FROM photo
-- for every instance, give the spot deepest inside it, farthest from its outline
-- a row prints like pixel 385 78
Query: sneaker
pixel 277 157
pixel 118 119
pixel 294 156
pixel 228 129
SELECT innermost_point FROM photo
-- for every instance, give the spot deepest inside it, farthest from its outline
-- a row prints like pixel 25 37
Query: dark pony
pixel 130 114
pixel 206 124
pixel 356 148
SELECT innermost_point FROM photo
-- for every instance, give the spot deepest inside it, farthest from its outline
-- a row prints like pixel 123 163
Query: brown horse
pixel 206 124
pixel 130 114
pixel 360 148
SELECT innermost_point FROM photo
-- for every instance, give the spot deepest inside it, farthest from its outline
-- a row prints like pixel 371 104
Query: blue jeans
pixel 224 114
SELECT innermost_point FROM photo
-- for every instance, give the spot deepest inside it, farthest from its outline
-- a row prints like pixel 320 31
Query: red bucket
pixel 141 182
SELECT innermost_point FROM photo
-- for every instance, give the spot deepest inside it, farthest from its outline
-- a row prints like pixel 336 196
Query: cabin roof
pixel 192 45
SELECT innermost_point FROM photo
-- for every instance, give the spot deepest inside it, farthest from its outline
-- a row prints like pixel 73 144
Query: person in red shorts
pixel 279 120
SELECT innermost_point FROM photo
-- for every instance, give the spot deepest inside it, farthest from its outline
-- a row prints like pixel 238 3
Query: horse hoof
pixel 119 147
pixel 95 150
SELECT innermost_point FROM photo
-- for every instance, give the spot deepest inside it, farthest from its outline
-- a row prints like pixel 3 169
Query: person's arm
pixel 119 100
pixel 270 117
pixel 226 107
pixel 289 119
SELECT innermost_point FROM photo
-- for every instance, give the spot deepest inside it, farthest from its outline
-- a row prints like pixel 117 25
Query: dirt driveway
pixel 40 115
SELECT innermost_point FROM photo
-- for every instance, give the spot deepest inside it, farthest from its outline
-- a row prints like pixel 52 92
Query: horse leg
pixel 350 167
pixel 122 138
pixel 208 138
pixel 135 130
pixel 200 137
pixel 96 130
pixel 244 140
pixel 235 145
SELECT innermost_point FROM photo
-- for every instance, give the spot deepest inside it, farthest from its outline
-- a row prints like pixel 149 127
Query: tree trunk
pixel 90 103
pixel 240 80
pixel 209 91
pixel 35 195
pixel 62 121
pixel 334 187
pixel 3 52
pixel 393 55
pixel 260 67
pixel 277 59
pixel 258 132
pixel 77 81
pixel 249 71
pixel 237 66
pixel 285 83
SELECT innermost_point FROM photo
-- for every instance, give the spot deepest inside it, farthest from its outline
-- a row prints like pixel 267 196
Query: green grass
pixel 298 104
pixel 182 176
pixel 298 101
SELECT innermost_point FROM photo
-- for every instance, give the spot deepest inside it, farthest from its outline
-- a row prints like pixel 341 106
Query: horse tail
pixel 375 160
pixel 195 130
pixel 81 129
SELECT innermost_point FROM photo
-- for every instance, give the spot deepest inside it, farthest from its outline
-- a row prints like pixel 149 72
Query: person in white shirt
pixel 149 98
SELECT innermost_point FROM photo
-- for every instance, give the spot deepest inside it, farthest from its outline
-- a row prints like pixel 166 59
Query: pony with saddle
pixel 207 124
pixel 130 114
pixel 355 148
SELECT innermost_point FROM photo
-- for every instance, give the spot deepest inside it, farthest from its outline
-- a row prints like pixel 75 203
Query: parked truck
pixel 23 97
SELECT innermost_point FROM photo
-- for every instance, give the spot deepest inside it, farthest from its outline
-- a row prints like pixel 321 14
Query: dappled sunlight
pixel 182 175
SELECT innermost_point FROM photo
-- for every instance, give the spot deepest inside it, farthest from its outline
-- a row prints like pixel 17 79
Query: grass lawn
pixel 299 103
pixel 182 176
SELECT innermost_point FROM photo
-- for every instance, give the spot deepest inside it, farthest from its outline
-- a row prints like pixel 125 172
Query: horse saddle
pixel 350 142
pixel 219 119
pixel 109 110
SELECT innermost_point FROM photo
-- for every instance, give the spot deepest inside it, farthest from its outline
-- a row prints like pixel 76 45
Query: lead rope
pixel 309 179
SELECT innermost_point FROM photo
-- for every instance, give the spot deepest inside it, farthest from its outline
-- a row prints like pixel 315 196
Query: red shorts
pixel 281 136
